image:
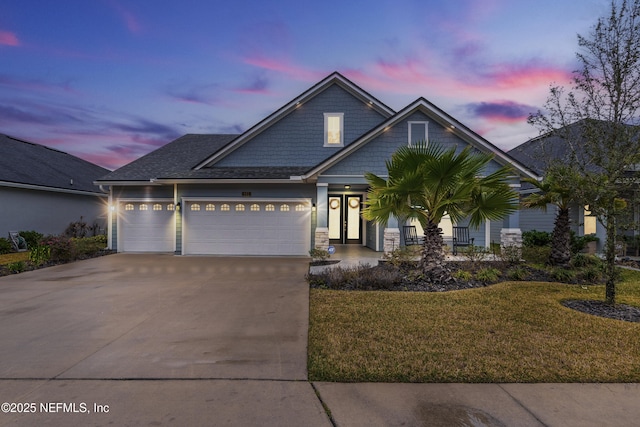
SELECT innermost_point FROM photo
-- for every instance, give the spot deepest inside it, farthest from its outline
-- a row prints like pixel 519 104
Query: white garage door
pixel 247 228
pixel 146 227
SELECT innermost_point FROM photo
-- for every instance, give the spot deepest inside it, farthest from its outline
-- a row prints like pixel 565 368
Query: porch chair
pixel 411 236
pixel 461 238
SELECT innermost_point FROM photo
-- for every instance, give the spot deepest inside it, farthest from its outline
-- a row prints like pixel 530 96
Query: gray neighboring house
pixel 532 153
pixel 292 182
pixel 43 189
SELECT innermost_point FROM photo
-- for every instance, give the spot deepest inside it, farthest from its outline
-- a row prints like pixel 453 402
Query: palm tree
pixel 426 182
pixel 553 191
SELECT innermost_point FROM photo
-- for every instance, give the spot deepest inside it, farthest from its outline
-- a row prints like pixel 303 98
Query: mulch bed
pixel 412 282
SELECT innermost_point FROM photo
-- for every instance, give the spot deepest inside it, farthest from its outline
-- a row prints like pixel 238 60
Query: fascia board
pixel 50 189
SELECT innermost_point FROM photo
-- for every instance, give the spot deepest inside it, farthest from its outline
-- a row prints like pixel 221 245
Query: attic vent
pixel 246 194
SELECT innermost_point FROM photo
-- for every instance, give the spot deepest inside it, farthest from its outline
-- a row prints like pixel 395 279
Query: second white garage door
pixel 280 227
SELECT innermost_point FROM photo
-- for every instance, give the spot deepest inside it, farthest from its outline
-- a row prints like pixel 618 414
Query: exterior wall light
pixel 178 206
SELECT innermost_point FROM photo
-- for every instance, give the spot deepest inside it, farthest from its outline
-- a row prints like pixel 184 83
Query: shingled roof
pixel 26 163
pixel 176 159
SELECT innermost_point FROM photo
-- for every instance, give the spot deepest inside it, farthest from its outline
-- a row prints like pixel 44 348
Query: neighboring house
pixel 536 153
pixel 292 182
pixel 43 189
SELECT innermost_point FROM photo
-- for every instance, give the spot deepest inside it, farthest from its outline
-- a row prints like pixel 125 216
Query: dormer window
pixel 418 132
pixel 333 129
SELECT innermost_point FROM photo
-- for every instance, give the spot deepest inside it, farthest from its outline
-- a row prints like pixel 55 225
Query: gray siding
pixel 47 212
pixel 371 157
pixel 298 139
pixel 536 219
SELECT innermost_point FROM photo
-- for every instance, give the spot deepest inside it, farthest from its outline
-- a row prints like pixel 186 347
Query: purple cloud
pixel 500 111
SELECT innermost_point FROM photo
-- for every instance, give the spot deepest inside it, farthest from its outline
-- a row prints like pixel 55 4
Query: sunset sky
pixel 111 80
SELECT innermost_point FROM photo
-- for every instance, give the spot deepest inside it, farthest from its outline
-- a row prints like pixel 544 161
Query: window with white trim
pixel 333 129
pixel 418 132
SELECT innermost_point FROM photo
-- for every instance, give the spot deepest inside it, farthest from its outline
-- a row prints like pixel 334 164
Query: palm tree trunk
pixel 561 239
pixel 432 264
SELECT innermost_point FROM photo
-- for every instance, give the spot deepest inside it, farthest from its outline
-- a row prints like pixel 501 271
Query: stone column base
pixel 322 238
pixel 391 239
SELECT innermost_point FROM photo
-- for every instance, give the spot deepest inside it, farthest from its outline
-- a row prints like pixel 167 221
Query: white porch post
pixel 511 235
pixel 322 215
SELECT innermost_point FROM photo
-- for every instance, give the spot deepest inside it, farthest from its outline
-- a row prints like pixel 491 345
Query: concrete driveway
pixel 101 329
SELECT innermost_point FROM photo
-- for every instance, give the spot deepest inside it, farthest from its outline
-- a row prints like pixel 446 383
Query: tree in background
pixel 598 120
pixel 427 182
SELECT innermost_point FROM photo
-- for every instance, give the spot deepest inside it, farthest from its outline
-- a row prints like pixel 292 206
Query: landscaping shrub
pixel 403 255
pixel 39 254
pixel 17 267
pixel 88 245
pixel 474 253
pixel 462 275
pixel 61 248
pixel 593 274
pixel 517 273
pixel 534 238
pixel 584 260
pixel 488 274
pixel 563 275
pixel 32 238
pixel 319 255
pixel 536 254
pixel 511 254
pixel 578 243
pixel 5 246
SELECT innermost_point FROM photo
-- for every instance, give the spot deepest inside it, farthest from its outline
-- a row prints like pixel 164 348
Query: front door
pixel 345 224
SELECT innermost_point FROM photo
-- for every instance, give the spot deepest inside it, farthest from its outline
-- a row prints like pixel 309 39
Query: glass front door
pixel 345 224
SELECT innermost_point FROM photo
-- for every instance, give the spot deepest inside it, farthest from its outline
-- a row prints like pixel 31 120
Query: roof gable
pixel 297 104
pixel 438 116
pixel 27 163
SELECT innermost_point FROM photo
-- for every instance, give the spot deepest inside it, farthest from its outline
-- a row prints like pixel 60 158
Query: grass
pixel 14 257
pixel 509 332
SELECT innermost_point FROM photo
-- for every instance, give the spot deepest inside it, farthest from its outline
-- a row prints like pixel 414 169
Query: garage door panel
pixel 255 230
pixel 146 227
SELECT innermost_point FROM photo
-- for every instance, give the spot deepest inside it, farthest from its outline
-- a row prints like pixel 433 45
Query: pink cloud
pixel 517 76
pixel 8 39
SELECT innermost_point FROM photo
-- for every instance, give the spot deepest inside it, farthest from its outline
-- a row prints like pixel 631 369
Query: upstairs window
pixel 418 132
pixel 333 129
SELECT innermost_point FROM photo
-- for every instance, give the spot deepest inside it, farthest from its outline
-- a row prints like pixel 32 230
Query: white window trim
pixel 426 131
pixel 326 128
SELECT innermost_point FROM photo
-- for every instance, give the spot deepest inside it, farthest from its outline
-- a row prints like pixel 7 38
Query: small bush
pixel 32 238
pixel 511 254
pixel 488 274
pixel 40 254
pixel 462 275
pixel 536 254
pixel 581 260
pixel 535 238
pixel 402 255
pixel 5 246
pixel 517 273
pixel 563 275
pixel 578 243
pixel 61 248
pixel 17 267
pixel 88 245
pixel 319 254
pixel 474 253
pixel 593 274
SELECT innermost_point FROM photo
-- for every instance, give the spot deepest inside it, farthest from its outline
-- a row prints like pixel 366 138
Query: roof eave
pixel 51 189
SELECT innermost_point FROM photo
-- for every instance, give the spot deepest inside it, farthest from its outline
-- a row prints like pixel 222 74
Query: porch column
pixel 322 215
pixel 391 235
pixel 511 235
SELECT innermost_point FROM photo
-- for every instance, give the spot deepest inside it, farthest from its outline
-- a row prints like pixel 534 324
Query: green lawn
pixel 509 332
